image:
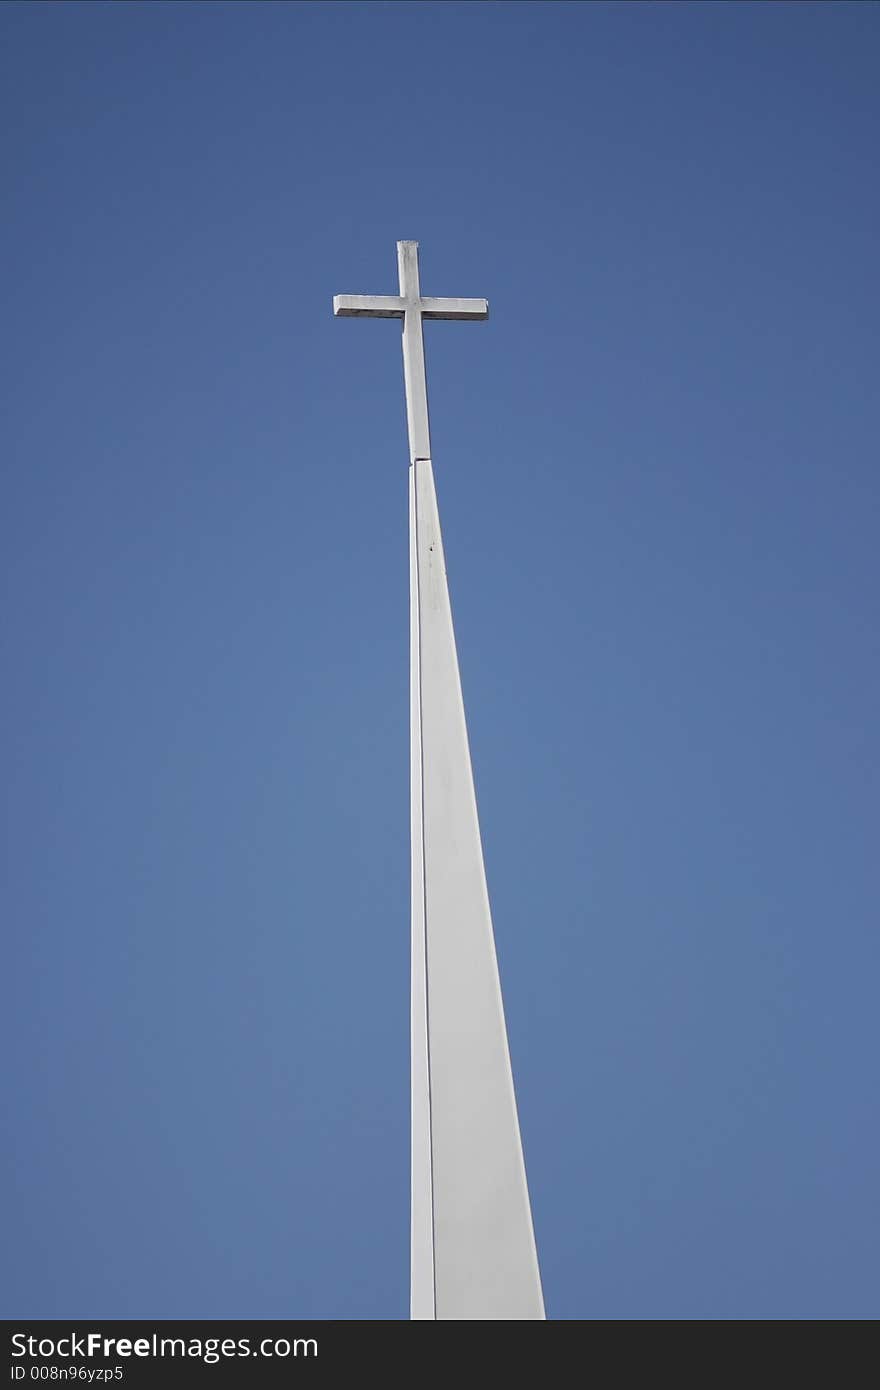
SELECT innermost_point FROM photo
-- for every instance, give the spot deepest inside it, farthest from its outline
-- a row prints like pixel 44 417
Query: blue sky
pixel 658 478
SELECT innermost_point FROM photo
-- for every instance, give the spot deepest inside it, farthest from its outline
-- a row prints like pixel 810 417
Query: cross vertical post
pixel 414 377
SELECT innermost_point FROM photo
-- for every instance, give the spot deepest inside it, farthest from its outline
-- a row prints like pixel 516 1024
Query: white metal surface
pixel 473 1251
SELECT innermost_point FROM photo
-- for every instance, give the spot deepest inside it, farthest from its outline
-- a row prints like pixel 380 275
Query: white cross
pixel 412 307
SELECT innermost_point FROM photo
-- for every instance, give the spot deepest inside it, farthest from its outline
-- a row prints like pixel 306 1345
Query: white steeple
pixel 473 1250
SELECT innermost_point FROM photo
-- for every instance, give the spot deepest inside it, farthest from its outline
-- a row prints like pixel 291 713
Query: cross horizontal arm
pixel 392 306
pixel 378 306
pixel 454 308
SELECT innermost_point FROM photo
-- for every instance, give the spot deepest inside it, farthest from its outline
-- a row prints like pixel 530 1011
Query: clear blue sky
pixel 658 476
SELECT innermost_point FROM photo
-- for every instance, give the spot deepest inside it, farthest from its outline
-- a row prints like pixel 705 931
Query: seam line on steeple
pixel 425 880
